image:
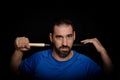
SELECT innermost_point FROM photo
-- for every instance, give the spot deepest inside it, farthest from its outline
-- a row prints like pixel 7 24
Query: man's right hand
pixel 22 43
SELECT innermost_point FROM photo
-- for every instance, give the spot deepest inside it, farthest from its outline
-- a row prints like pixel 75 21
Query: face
pixel 62 39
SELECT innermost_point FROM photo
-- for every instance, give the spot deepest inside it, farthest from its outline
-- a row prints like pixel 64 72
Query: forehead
pixel 63 29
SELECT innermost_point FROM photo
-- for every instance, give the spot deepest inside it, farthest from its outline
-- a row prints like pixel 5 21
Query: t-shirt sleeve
pixel 28 65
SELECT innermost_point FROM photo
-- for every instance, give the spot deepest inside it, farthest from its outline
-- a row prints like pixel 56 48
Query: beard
pixel 62 51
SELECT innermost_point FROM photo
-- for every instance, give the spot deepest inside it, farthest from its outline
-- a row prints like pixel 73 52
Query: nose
pixel 64 41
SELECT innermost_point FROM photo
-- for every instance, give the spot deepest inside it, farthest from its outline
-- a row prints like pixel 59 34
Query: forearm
pixel 16 59
pixel 107 63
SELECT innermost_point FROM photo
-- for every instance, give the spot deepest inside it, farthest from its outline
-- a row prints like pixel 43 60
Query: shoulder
pixel 41 54
pixel 83 58
pixel 81 55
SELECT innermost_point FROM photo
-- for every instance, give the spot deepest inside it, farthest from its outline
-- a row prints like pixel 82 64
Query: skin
pixel 62 40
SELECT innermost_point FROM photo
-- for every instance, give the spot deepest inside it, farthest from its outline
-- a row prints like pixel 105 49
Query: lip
pixel 64 49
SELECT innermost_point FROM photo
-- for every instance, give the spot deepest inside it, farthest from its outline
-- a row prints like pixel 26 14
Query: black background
pixel 35 22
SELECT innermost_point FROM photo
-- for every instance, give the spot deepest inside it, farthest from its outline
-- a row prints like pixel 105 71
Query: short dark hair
pixel 61 21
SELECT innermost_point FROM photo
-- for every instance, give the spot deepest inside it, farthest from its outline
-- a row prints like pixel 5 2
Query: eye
pixel 58 37
pixel 70 36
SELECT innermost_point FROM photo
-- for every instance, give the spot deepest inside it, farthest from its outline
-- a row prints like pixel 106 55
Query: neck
pixel 56 56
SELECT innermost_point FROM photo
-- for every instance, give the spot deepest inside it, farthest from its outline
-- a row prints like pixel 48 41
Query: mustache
pixel 64 46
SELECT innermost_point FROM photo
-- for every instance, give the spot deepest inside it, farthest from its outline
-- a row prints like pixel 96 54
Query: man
pixel 60 62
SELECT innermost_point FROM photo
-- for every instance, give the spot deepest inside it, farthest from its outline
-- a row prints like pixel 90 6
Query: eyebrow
pixel 61 35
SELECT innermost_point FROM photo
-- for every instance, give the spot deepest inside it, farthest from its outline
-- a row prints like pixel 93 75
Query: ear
pixel 74 35
pixel 50 36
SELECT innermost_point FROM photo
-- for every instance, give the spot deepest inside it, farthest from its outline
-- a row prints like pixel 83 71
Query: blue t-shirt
pixel 43 66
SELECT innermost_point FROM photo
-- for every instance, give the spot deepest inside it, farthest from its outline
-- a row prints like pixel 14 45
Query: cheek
pixel 58 44
pixel 70 42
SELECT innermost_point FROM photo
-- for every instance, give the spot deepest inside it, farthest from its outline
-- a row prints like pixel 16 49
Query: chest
pixel 60 70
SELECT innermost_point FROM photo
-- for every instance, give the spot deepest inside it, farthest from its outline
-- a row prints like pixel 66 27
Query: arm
pixel 107 63
pixel 21 44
